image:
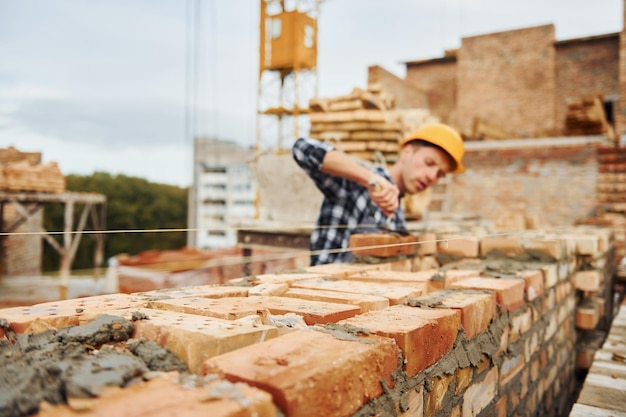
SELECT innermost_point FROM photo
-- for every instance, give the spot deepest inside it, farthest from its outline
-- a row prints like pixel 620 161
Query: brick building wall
pixel 554 181
pixel 407 96
pixel 438 77
pixel 585 68
pixel 22 254
pixel 621 110
pixel 507 78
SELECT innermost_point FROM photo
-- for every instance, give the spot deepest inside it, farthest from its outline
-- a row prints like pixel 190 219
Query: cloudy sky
pixel 104 85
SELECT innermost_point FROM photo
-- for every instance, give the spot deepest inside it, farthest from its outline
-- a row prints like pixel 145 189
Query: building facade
pixel 222 195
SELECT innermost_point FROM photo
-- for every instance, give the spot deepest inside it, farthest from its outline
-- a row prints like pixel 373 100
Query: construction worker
pixel 358 199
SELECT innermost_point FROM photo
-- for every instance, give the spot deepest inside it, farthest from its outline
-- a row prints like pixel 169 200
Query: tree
pixel 133 204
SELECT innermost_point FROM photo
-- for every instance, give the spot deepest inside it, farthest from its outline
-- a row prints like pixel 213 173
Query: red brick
pixel 480 394
pixel 423 335
pixel 381 245
pixel 206 291
pixel 507 245
pixel 587 316
pixel 509 292
pixel 520 324
pixel 313 312
pixel 554 248
pixel 340 270
pixel 287 278
pixel 164 396
pixel 588 280
pixel 465 246
pixel 477 309
pixel 395 294
pixel 387 277
pixel 364 301
pixel 311 373
pixel 57 314
pixel 268 289
pixel 444 279
pixel 427 245
pixel 534 283
pixel 195 338
pixel 435 397
pixel 510 368
pixel 414 400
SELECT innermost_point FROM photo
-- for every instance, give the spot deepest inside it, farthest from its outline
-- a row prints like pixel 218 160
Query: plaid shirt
pixel 346 208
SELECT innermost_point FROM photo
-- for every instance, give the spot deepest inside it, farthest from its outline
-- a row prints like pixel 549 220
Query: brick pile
pixel 364 123
pixel 491 331
pixel 587 117
pixel 23 171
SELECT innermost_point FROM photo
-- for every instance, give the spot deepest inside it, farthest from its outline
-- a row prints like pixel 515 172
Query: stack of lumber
pixel 587 117
pixel 22 171
pixel 364 123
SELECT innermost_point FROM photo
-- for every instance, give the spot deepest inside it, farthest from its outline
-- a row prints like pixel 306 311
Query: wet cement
pixel 75 361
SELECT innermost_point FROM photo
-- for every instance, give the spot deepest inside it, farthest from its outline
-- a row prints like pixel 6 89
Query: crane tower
pixel 287 70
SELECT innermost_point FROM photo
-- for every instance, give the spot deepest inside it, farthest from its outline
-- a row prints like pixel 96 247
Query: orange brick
pixel 311 373
pixel 57 314
pixel 509 292
pixel 435 397
pixel 507 245
pixel 588 280
pixel 414 400
pixel 510 368
pixel 480 394
pixel 165 396
pixel 340 270
pixel 288 279
pixel 445 278
pixel 195 338
pixel 313 312
pixel 520 324
pixel 380 245
pixel 553 248
pixel 206 291
pixel 423 335
pixel 465 246
pixel 403 265
pixel 395 294
pixel 364 301
pixel 268 289
pixel 477 309
pixel 587 316
pixel 427 245
pixel 388 277
pixel 534 283
pixel 462 378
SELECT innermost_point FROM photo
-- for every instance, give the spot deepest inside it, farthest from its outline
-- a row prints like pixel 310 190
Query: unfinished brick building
pixel 518 83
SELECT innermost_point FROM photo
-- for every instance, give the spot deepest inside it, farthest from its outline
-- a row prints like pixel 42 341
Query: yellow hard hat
pixel 443 136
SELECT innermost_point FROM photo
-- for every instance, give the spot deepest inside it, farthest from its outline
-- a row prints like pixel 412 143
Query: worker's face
pixel 423 166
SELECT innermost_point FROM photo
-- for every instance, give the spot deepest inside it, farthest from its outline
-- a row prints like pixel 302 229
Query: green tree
pixel 132 204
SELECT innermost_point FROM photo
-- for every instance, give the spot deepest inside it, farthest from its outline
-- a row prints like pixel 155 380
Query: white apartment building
pixel 222 195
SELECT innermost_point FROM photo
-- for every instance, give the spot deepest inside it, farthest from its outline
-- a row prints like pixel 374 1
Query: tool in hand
pixel 388 223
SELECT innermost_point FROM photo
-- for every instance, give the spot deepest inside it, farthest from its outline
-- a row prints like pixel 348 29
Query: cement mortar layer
pixel 76 361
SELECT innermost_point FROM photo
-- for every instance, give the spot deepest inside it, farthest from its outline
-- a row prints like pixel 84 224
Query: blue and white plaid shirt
pixel 346 208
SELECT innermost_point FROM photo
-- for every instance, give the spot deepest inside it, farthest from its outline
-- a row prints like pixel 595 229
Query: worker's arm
pixel 384 194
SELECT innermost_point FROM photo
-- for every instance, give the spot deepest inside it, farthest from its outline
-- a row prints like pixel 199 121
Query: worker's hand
pixel 384 194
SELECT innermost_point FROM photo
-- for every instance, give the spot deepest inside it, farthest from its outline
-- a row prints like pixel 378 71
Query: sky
pixel 106 85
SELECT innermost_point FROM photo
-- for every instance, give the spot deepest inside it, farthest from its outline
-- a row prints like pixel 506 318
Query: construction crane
pixel 287 68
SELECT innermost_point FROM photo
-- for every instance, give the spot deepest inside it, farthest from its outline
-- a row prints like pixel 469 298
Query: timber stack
pixel 365 123
pixel 24 172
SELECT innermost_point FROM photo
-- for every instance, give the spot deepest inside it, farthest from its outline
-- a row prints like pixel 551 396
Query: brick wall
pixel 585 68
pixel 22 254
pixel 550 180
pixel 621 110
pixel 508 79
pixel 406 96
pixel 438 78
pixel 477 336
